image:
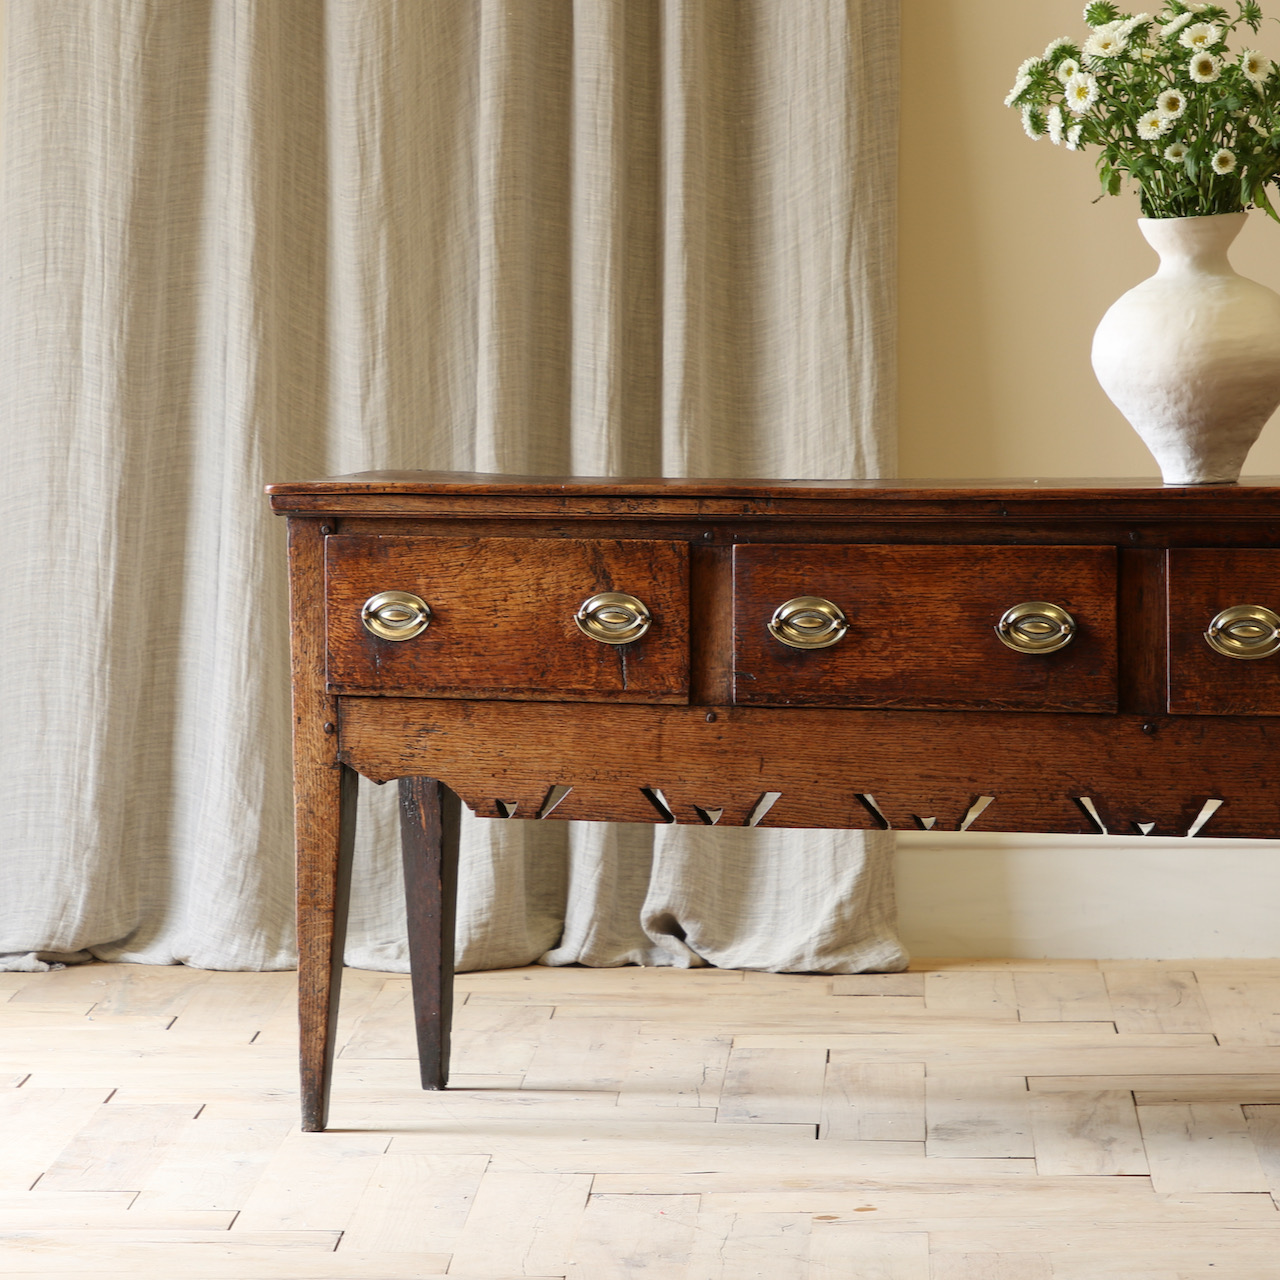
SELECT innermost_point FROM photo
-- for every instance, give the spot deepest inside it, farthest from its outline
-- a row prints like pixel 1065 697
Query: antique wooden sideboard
pixel 1005 656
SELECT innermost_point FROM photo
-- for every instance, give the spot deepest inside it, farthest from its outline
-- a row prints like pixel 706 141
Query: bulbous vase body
pixel 1191 357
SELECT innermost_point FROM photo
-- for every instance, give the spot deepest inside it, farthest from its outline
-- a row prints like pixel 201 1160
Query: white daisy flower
pixel 1147 53
pixel 1224 161
pixel 1176 152
pixel 1201 35
pixel 1257 67
pixel 1153 125
pixel 1062 42
pixel 1105 44
pixel 1073 137
pixel 1067 68
pixel 1132 24
pixel 1033 122
pixel 1014 93
pixel 1082 92
pixel 1028 66
pixel 1171 103
pixel 1171 29
pixel 1057 125
pixel 1204 68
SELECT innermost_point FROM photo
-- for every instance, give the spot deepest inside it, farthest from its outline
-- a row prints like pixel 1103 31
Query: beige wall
pixel 1006 264
pixel 1006 268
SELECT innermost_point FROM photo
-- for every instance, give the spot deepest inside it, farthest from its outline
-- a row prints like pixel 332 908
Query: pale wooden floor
pixel 970 1120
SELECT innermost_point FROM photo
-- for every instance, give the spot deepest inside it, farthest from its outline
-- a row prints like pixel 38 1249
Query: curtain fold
pixel 250 241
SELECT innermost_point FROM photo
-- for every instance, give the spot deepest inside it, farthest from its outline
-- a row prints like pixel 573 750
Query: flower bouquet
pixel 1191 357
pixel 1195 125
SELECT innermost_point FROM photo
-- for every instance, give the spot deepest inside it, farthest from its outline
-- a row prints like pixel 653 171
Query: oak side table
pixel 1066 656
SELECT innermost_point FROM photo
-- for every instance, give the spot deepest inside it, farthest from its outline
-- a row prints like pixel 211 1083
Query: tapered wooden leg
pixel 326 838
pixel 429 819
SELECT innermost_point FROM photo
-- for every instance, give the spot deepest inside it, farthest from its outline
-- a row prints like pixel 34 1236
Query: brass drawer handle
pixel 612 617
pixel 395 615
pixel 1245 631
pixel 1036 626
pixel 808 622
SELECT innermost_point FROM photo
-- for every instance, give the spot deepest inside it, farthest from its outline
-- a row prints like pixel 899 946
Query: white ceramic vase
pixel 1191 357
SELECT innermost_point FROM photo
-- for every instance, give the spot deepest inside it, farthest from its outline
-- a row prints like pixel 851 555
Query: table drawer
pixel 1203 583
pixel 502 618
pixel 922 627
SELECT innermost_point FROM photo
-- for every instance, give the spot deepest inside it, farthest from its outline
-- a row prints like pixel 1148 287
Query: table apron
pixel 821 768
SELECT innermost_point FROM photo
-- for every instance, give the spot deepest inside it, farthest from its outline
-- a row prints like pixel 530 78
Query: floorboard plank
pixel 1264 1131
pixel 118 1149
pixel 521 1222
pixel 1200 1147
pixel 1149 1001
pixel 651 1236
pixel 872 1102
pixel 1243 1008
pixel 313 1182
pixel 414 1203
pixel 1087 1133
pixel 1049 996
pixel 974 1114
pixel 773 1086
pixel 977 993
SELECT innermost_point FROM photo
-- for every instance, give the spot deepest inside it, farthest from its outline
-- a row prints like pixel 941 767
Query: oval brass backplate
pixel 395 615
pixel 808 622
pixel 1036 626
pixel 1245 631
pixel 613 617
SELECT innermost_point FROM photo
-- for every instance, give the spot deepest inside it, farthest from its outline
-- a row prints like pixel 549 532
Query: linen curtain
pixel 255 240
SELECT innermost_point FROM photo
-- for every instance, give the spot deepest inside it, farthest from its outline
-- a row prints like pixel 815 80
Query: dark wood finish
pixel 502 621
pixel 1037 767
pixel 1201 584
pixel 978 528
pixel 324 824
pixel 922 627
pixel 1143 650
pixel 429 820
pixel 711 622
pixel 1137 727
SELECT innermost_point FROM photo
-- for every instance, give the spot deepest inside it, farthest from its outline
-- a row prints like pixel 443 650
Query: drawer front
pixel 1202 584
pixel 921 627
pixel 502 618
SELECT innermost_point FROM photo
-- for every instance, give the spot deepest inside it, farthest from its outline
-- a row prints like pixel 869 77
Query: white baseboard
pixel 1069 897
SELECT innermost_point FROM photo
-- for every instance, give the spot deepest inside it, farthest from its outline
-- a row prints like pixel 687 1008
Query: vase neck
pixel 1195 246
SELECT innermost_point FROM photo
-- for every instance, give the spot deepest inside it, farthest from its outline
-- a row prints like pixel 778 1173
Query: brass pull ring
pixel 1245 631
pixel 395 615
pixel 1036 626
pixel 612 617
pixel 808 622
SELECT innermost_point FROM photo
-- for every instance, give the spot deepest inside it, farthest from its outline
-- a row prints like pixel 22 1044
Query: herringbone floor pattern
pixel 969 1120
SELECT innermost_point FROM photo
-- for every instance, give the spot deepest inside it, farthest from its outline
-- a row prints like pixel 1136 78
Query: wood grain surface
pixel 1201 584
pixel 915 765
pixel 922 627
pixel 429 817
pixel 324 824
pixel 140 1146
pixel 502 617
